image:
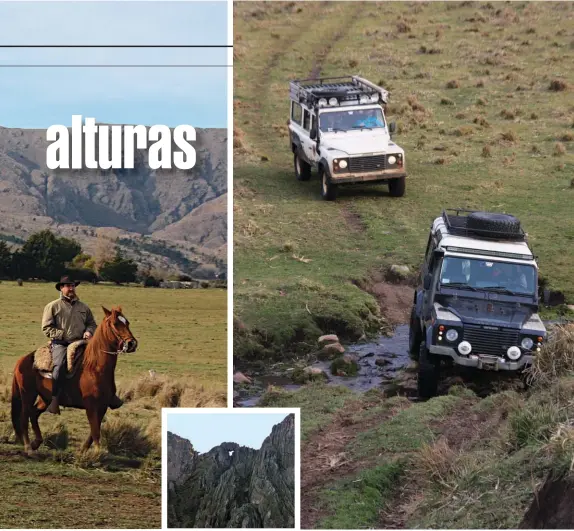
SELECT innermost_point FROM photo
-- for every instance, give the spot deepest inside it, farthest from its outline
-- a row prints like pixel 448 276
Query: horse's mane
pixel 99 343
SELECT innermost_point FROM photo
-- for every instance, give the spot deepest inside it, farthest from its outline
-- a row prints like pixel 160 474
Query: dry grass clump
pixel 92 458
pixel 415 104
pixel 169 392
pixel 430 51
pixel 57 438
pixel 555 359
pixel 507 114
pixel 486 151
pixel 567 137
pixel 559 149
pixel 453 84
pixel 439 464
pixel 446 101
pixel 561 445
pixel 121 437
pixel 464 130
pixel 200 396
pixel 482 121
pixel 557 85
pixel 509 136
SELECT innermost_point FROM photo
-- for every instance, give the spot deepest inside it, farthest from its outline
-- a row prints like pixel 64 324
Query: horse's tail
pixel 16 408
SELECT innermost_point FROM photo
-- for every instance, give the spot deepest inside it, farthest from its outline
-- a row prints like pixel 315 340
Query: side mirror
pixel 427 281
pixel 438 254
pixel 313 133
pixel 392 127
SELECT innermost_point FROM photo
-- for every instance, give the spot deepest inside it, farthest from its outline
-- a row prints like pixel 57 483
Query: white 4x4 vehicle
pixel 338 126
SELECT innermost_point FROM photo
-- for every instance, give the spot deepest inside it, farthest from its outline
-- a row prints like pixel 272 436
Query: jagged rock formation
pixel 163 218
pixel 232 485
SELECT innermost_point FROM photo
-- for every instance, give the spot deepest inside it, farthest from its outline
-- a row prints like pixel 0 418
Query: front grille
pixel 492 342
pixel 366 164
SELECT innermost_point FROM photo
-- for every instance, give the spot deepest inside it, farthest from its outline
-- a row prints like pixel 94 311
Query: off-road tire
pixel 428 373
pixel 302 168
pixel 506 224
pixel 397 187
pixel 328 189
pixel 415 336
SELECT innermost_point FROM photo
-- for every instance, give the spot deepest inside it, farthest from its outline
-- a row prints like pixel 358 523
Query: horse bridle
pixel 121 343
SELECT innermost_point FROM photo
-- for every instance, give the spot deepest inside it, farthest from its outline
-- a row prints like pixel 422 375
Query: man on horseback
pixel 64 321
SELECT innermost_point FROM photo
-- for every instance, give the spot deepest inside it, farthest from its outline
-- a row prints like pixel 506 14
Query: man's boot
pixel 54 406
pixel 116 402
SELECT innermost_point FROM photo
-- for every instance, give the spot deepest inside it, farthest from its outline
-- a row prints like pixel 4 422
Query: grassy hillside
pixel 181 335
pixel 369 461
pixel 484 100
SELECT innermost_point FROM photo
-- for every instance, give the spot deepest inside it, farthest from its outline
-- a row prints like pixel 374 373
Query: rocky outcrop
pixel 182 460
pixel 234 486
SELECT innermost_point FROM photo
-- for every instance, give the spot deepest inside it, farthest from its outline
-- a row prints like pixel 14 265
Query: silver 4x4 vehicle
pixel 478 300
pixel 338 126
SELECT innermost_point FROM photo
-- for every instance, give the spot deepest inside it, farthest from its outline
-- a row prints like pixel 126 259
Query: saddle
pixel 44 363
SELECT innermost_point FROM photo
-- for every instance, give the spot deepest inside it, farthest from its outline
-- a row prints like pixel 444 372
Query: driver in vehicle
pixel 368 119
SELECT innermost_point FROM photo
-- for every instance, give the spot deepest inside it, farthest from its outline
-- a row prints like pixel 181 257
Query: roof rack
pixel 457 225
pixel 316 92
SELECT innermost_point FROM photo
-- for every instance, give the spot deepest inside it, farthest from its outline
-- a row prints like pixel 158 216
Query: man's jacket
pixel 66 320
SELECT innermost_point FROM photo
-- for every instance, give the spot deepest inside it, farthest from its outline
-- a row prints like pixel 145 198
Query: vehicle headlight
pixel 322 102
pixel 392 159
pixel 465 348
pixel 452 335
pixel 333 102
pixel 342 164
pixel 527 343
pixel 513 353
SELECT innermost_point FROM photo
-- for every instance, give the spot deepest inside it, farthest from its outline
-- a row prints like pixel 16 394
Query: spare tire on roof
pixel 507 226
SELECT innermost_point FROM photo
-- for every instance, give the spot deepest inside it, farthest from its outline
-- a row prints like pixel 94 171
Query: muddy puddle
pixel 380 363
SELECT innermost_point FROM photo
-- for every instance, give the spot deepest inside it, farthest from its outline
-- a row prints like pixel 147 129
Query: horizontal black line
pixel 116 45
pixel 116 66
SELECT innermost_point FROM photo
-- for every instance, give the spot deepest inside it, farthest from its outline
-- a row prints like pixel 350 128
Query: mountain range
pixel 175 220
pixel 233 486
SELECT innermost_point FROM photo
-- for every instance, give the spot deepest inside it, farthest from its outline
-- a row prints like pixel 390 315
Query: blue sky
pixel 206 431
pixel 40 97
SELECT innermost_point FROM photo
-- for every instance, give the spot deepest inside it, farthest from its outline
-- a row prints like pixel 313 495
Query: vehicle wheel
pixel 328 189
pixel 302 168
pixel 415 335
pixel 397 187
pixel 487 221
pixel 428 375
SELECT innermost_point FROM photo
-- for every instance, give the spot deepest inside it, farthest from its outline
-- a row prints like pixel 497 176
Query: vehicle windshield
pixel 346 120
pixel 487 275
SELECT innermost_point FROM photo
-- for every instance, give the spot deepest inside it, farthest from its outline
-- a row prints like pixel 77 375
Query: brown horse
pixel 90 388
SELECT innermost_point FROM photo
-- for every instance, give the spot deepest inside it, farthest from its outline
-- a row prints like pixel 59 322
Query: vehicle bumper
pixel 479 361
pixel 372 176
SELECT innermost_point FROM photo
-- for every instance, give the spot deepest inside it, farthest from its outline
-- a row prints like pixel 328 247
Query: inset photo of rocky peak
pixel 231 470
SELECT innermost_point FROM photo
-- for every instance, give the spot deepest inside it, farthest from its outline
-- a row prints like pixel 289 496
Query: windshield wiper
pixel 460 285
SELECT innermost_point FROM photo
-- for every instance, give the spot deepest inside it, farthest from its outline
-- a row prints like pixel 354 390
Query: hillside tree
pixel 119 270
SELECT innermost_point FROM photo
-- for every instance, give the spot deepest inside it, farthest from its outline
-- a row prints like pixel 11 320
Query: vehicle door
pixel 310 146
pixel 429 271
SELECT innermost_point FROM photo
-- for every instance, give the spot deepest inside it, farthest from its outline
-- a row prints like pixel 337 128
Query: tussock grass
pixel 171 392
pixel 125 438
pixel 58 437
pixel 555 359
pixel 92 458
